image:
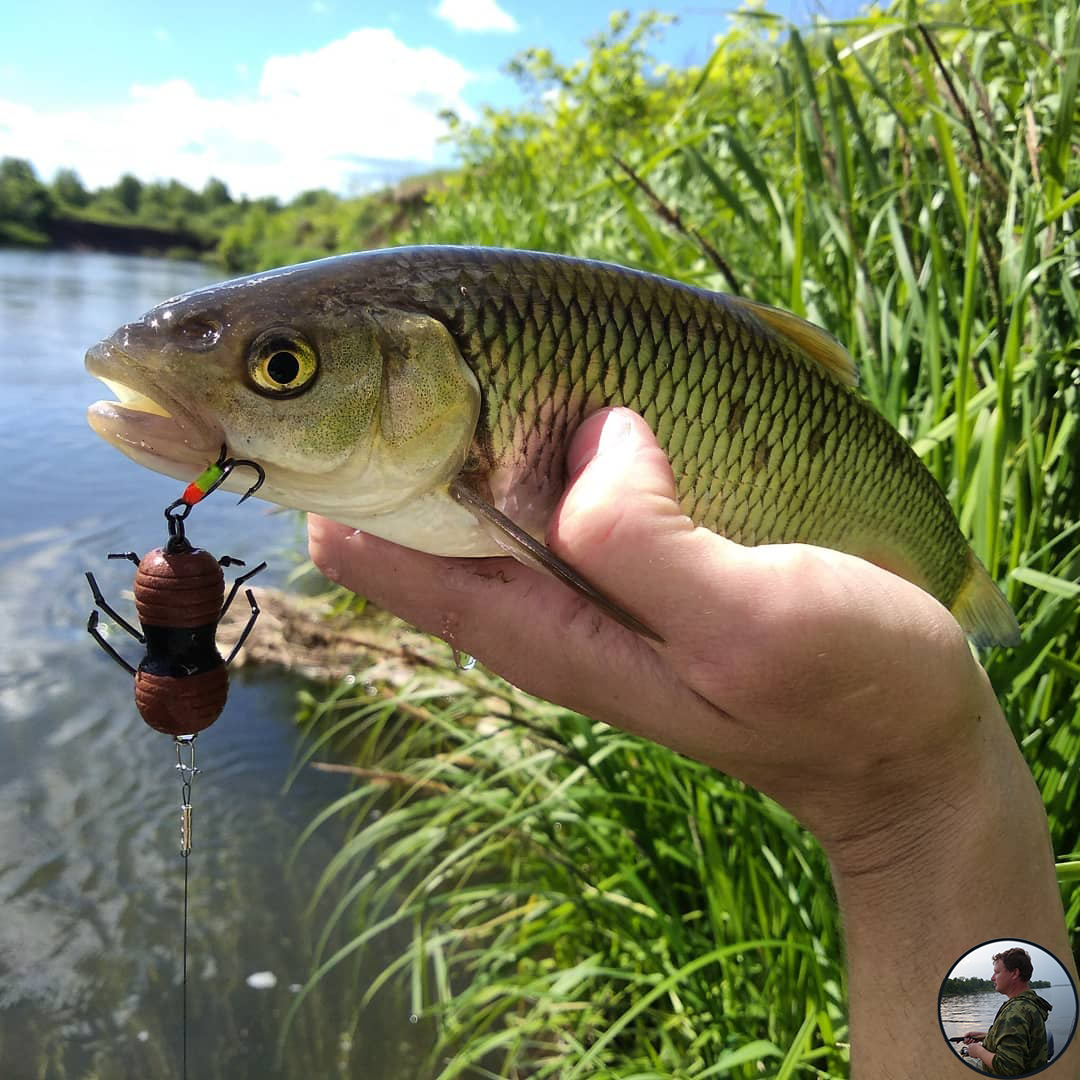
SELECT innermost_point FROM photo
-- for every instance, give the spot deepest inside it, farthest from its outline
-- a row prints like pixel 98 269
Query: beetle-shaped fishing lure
pixel 181 682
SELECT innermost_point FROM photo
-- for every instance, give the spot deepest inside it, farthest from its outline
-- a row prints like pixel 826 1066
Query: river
pixel 90 875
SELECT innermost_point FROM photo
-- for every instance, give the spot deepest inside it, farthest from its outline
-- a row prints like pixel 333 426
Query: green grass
pixel 565 884
pixel 576 902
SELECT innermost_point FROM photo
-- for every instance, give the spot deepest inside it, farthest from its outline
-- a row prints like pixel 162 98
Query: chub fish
pixel 427 395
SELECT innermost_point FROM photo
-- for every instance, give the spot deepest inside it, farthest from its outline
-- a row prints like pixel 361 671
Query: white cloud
pixel 476 15
pixel 340 117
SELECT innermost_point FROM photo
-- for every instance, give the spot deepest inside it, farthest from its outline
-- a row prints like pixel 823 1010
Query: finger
pixel 524 625
pixel 621 527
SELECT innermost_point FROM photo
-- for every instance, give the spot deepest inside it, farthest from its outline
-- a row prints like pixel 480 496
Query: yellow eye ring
pixel 281 363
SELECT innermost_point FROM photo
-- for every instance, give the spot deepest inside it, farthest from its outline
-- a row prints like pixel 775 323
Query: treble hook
pixel 207 481
pixel 210 480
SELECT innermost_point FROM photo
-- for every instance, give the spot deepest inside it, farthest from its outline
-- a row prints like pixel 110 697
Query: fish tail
pixel 981 609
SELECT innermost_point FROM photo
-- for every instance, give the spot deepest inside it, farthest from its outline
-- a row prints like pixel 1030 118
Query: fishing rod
pixel 181 683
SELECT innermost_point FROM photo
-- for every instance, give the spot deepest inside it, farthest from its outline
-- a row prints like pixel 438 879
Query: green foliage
pixel 968 985
pixel 68 189
pixel 128 193
pixel 174 218
pixel 580 902
pixel 318 223
pixel 25 202
pixel 973 985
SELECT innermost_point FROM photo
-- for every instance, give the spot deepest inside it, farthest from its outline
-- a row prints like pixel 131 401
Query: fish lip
pixel 171 439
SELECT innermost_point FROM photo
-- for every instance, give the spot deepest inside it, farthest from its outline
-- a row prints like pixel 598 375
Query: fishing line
pixel 187 772
pixel 183 991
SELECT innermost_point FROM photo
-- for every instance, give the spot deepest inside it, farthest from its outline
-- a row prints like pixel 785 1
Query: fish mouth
pixel 146 422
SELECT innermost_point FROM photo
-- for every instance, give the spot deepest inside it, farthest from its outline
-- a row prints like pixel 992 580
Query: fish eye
pixel 281 363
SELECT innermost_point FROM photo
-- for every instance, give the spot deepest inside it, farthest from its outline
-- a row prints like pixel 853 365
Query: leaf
pixel 1056 586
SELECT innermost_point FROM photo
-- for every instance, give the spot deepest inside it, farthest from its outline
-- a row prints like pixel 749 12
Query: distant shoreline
pixel 64 233
pixel 960 991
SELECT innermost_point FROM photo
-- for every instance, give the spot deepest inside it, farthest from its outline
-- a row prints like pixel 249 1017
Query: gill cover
pixel 429 400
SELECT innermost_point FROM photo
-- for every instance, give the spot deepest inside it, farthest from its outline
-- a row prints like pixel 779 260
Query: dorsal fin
pixel 818 344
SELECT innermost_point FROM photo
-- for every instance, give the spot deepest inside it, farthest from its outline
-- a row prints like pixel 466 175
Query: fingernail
pixel 615 434
pixel 614 425
pixel 324 545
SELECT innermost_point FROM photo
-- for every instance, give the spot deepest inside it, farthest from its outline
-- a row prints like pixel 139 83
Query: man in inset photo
pixel 1016 1041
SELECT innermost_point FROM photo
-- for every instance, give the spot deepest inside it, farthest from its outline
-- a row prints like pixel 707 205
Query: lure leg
pixel 129 555
pixel 231 560
pixel 250 622
pixel 95 633
pixel 237 583
pixel 104 605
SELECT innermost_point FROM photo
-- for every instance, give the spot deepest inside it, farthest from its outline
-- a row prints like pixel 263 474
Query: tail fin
pixel 981 609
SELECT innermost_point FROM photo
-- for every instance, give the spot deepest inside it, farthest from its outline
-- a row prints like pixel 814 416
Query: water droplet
pixel 262 980
pixel 413 1018
pixel 464 660
pixel 350 680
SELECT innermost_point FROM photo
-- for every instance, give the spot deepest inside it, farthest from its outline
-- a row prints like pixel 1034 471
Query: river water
pixel 90 875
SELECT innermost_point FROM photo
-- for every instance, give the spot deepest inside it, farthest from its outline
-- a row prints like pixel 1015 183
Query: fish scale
pixel 663 347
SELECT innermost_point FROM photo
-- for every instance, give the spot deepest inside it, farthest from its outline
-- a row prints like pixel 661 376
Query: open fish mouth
pixel 155 431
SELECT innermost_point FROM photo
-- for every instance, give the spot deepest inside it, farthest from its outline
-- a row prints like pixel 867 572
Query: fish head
pixel 351 407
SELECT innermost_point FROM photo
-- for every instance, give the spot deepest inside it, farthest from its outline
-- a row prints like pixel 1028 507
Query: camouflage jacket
pixel 1017 1037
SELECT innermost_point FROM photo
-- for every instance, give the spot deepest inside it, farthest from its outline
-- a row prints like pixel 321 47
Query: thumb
pixel 620 525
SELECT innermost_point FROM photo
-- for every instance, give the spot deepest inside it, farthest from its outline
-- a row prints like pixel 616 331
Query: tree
pixel 129 191
pixel 215 194
pixel 68 188
pixel 24 199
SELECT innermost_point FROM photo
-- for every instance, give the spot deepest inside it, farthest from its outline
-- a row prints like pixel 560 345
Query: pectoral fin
pixel 525 548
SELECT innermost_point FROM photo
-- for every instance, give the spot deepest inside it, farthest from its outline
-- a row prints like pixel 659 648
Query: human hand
pixel 831 684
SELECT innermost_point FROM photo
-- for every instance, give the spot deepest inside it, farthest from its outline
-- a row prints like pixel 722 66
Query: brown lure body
pixel 181 683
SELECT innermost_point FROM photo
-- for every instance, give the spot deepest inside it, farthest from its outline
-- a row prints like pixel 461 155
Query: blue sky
pixel 282 95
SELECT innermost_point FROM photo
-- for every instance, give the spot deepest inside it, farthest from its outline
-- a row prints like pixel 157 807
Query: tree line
pixel 973 985
pixel 168 217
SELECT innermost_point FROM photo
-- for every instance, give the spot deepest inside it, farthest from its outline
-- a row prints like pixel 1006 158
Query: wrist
pixel 950 801
pixel 960 856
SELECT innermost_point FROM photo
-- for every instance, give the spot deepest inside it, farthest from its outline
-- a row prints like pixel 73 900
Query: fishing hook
pixel 206 482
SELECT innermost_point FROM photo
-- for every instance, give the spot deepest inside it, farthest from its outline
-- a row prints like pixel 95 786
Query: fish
pixel 427 395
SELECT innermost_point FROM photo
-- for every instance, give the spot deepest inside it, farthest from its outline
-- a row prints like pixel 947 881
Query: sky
pixel 279 96
pixel 980 962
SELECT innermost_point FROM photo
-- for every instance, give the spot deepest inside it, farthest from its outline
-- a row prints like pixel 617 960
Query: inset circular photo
pixel 1008 1007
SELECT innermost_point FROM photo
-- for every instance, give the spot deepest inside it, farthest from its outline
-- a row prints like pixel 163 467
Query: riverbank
pixel 108 237
pixel 124 238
